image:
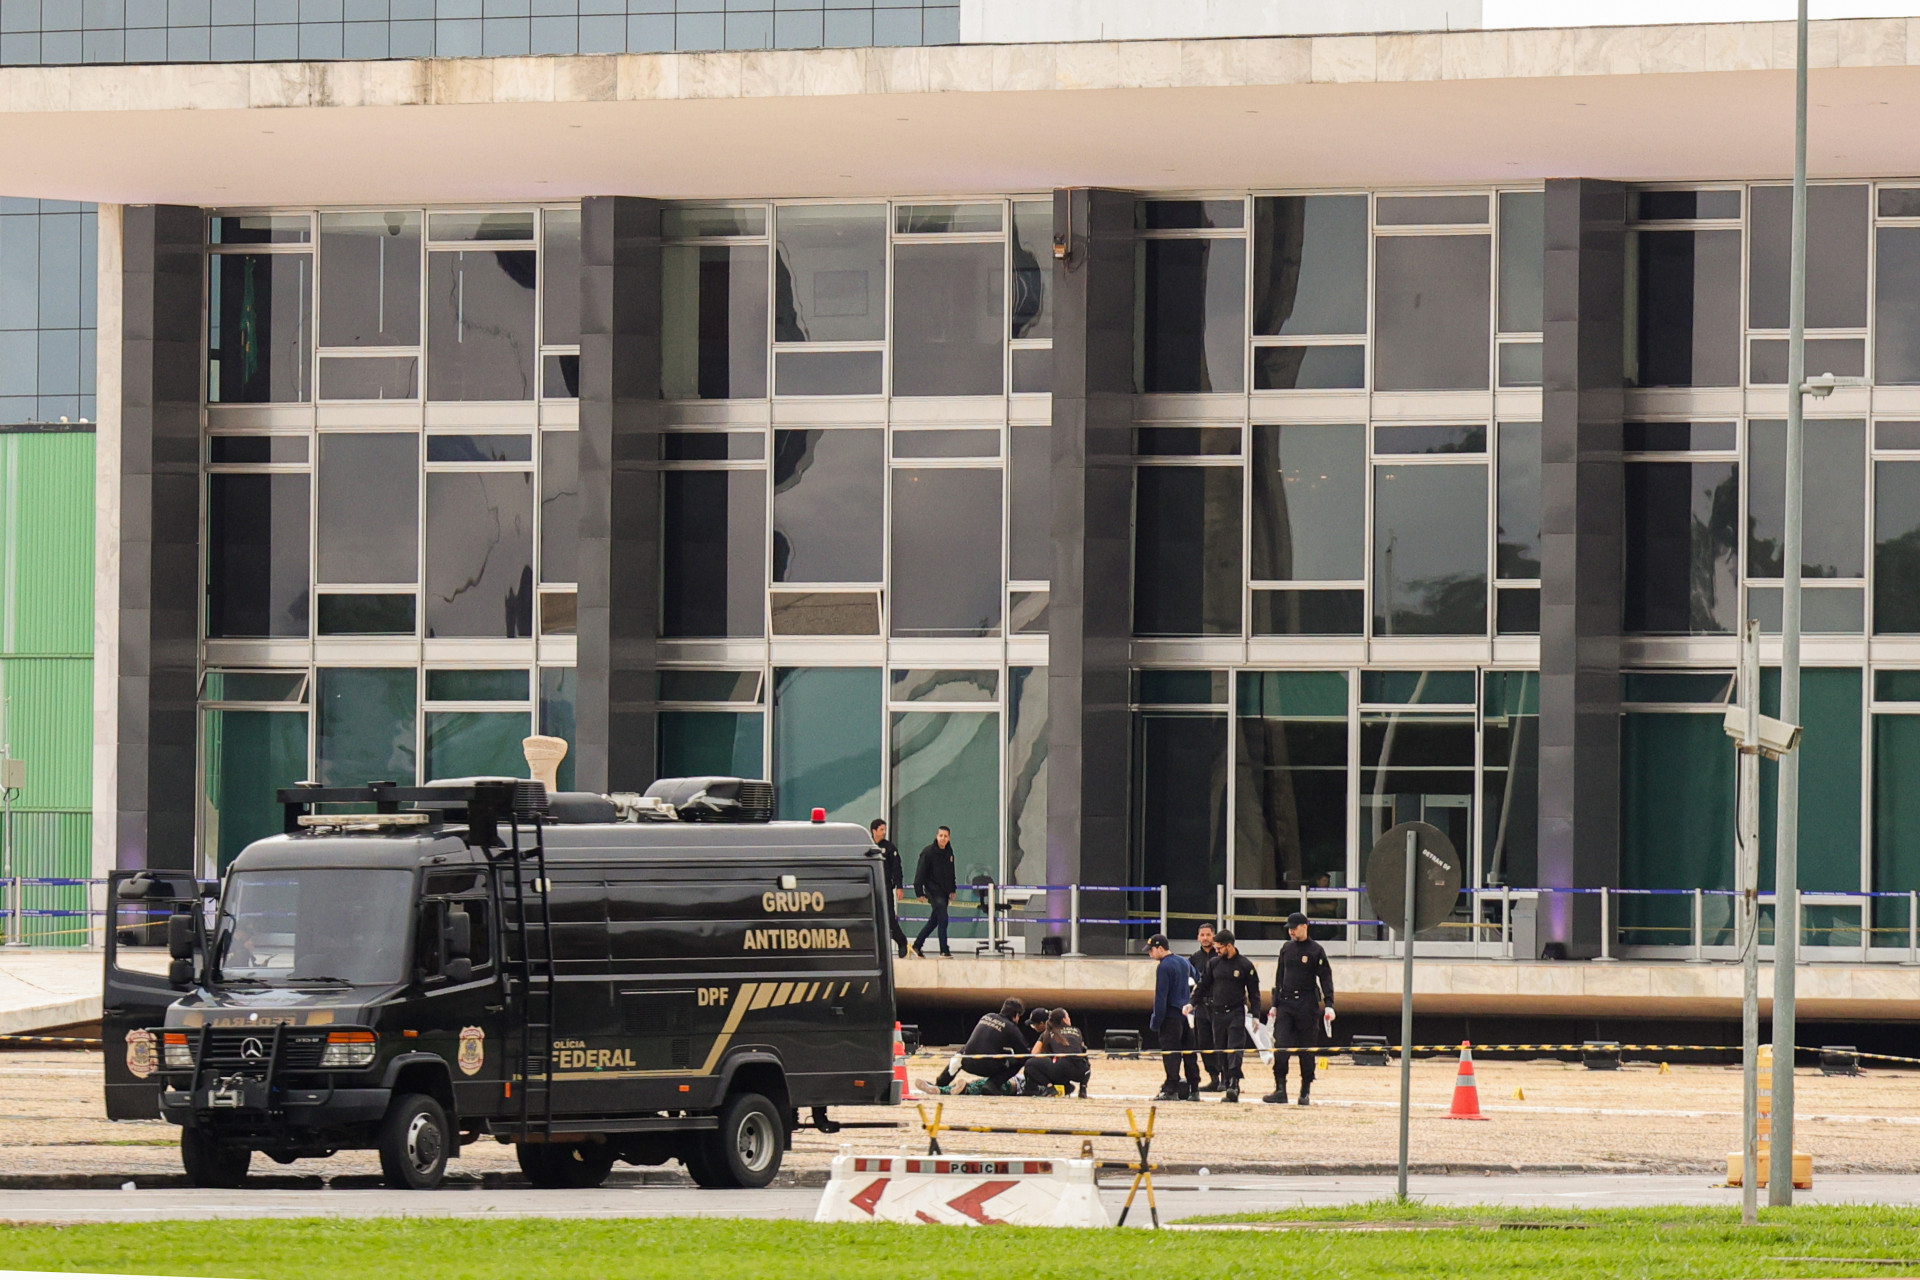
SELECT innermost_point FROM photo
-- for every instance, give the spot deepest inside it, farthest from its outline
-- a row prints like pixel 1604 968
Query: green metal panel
pixel 52 846
pixel 46 542
pixel 49 722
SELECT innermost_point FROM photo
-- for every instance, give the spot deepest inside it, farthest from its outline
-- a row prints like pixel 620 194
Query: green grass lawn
pixel 1525 1244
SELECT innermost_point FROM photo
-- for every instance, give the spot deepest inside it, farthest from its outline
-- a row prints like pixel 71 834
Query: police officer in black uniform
pixel 1229 988
pixel 995 1052
pixel 1202 1029
pixel 1302 993
pixel 896 881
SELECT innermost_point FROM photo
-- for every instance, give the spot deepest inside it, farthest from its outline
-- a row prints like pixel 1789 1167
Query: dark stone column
pixel 160 354
pixel 1581 514
pixel 1088 729
pixel 614 710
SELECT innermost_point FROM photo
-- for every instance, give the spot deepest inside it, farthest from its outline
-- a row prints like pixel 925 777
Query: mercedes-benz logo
pixel 252 1050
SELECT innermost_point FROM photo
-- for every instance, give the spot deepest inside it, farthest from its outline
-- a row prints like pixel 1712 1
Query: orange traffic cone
pixel 1466 1094
pixel 900 1067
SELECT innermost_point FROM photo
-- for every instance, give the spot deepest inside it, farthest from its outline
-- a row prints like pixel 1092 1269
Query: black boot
pixel 1305 1089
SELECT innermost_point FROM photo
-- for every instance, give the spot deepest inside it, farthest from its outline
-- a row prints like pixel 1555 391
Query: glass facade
pixel 47 298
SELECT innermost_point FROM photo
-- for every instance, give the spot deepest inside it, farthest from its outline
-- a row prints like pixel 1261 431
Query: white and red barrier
pixel 963 1191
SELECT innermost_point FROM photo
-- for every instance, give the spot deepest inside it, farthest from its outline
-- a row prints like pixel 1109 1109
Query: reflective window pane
pixel 714 560
pixel 946 564
pixel 826 743
pixel 1430 300
pixel 559 506
pixel 1192 327
pixel 690 221
pixel 512 224
pixel 946 773
pixel 949 319
pixel 1655 206
pixel 479 578
pixel 469 448
pixel 508 684
pixel 709 686
pixel 1032 291
pixel 1188 215
pixel 1309 368
pixel 1430 211
pixel 714 337
pixel 1896 548
pixel 1310 264
pixel 1517 537
pixel 1032 371
pixel 929 684
pixel 1417 688
pixel 1523 245
pixel 713 446
pixel 1837 223
pixel 1843 357
pixel 257 561
pixel 1186 557
pixel 1030 504
pixel 830 273
pixel 371 378
pixel 945 219
pixel 1720 437
pixel 560 377
pixel 710 744
pixel 480 338
pixel 1429 551
pixel 1682 549
pixel 828 518
pixel 1186 442
pixel 1309 613
pixel 370 279
pixel 1522 364
pixel 556 715
pixel 1291 797
pixel 1896 306
pixel 248 756
pixel 476 744
pixel 1510 778
pixel 970 442
pixel 1685 309
pixel 1833 541
pixel 244 449
pixel 1026 775
pixel 369 490
pixel 1517 611
pixel 259 328
pixel 1309 503
pixel 369 613
pixel 828 373
pixel 1415 440
pixel 559 613
pixel 260 228
pixel 366 725
pixel 1179 808
pixel 824 613
pixel 560 298
pixel 1027 613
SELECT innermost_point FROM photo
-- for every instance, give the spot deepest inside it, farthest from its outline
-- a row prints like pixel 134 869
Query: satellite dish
pixel 1436 877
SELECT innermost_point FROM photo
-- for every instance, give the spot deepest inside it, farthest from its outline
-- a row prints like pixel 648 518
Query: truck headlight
pixel 176 1054
pixel 348 1049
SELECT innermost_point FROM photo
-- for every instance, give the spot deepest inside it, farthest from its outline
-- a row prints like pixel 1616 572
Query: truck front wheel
pixel 415 1141
pixel 745 1150
pixel 208 1163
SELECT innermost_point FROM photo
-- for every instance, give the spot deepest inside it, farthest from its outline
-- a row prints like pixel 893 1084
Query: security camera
pixel 1777 737
pixel 1820 385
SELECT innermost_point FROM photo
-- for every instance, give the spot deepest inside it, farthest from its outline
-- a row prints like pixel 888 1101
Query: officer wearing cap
pixel 1227 990
pixel 1302 1001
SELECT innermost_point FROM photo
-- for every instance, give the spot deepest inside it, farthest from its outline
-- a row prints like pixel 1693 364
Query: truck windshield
pixel 314 924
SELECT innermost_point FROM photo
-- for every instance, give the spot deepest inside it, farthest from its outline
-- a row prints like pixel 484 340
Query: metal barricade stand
pixel 1142 1136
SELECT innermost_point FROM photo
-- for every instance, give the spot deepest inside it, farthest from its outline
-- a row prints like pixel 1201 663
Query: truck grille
pixel 249 1047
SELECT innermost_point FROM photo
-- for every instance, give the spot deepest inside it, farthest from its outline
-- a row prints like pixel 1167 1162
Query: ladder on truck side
pixel 526 930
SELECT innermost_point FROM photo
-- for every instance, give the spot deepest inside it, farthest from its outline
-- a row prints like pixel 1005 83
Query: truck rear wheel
pixel 208 1163
pixel 415 1141
pixel 565 1166
pixel 745 1150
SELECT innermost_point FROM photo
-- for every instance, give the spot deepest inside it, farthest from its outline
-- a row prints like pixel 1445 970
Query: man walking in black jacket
pixel 890 859
pixel 1302 994
pixel 1228 989
pixel 933 884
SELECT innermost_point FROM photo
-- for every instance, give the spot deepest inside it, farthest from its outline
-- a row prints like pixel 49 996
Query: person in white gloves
pixel 1302 1007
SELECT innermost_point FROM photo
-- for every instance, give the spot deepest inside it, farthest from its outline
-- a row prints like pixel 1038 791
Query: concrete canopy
pixel 1638 103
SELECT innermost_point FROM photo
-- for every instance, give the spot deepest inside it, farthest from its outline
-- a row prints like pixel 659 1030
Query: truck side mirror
pixel 180 974
pixel 180 936
pixel 459 969
pixel 459 936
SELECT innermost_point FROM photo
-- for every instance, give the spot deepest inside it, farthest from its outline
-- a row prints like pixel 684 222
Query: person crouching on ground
pixel 1059 1059
pixel 995 1052
pixel 1172 989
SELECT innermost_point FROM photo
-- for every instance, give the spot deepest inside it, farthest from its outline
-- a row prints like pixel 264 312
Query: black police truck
pixel 672 976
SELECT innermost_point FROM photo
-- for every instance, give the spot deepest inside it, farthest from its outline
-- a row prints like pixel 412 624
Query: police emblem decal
pixel 140 1055
pixel 473 1049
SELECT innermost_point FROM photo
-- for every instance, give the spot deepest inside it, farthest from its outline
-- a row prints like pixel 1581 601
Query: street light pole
pixel 1786 856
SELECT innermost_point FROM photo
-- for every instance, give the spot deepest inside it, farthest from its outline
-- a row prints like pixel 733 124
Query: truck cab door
pixel 137 993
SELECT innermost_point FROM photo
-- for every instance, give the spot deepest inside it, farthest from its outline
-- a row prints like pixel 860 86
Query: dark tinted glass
pixel 1417 688
pixel 480 339
pixel 1186 554
pixel 1186 442
pixel 828 522
pixel 560 299
pixel 1896 548
pixel 1423 211
pixel 1837 222
pixel 1309 613
pixel 1309 368
pixel 714 340
pixel 559 506
pixel 260 228
pixel 1523 243
pixel 1032 285
pixel 945 219
pixel 1688 323
pixel 1679 436
pixel 1180 688
pixel 1517 540
pixel 1309 503
pixel 1896 306
pixel 830 275
pixel 946 444
pixel 1431 299
pixel 244 449
pixel 714 559
pixel 556 713
pixel 946 552
pixel 512 224
pixel 368 614
pixel 371 378
pixel 1518 610
pixel 1833 541
pixel 1193 319
pixel 1656 206
pixel 709 686
pixel 935 684
pixel 1896 686
pixel 1429 550
pixel 366 720
pixel 1180 806
pixel 1695 687
pixel 1896 435
pixel 259 328
pixel 1189 215
pixel 257 559
pixel 479 579
pixel 1030 504
pixel 689 221
pixel 1434 439
pixel 1032 371
pixel 1846 357
pixel 501 448
pixel 1290 799
pixel 478 686
pixel 1682 552
pixel 370 279
pixel 369 487
pixel 828 373
pixel 1310 264
pixel 560 377
pixel 713 446
pixel 949 319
